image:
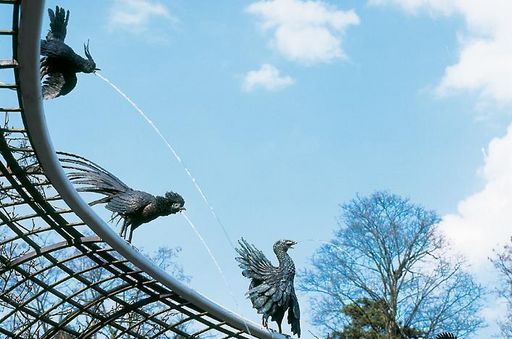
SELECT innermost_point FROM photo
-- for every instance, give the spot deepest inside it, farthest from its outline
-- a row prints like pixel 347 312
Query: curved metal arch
pixel 38 133
pixel 30 189
pixel 111 260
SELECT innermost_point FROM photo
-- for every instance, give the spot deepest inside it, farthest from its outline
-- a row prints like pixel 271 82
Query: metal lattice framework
pixel 63 271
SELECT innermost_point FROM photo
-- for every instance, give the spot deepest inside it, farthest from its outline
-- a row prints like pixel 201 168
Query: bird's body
pixel 271 290
pixel 59 63
pixel 134 207
pixel 138 207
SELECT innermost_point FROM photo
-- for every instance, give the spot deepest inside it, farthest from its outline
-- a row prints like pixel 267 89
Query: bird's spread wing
pixel 269 288
pixel 275 290
pixel 56 84
pixel 129 202
pixel 274 296
pixel 44 67
pixel 58 23
pixel 294 314
pixel 253 262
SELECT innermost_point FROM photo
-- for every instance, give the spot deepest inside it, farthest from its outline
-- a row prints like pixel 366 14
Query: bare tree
pixel 503 262
pixel 388 249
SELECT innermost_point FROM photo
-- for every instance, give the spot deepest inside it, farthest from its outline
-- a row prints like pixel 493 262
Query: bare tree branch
pixel 388 250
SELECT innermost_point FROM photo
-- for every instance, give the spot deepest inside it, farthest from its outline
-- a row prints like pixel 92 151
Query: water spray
pixel 196 185
pixel 174 153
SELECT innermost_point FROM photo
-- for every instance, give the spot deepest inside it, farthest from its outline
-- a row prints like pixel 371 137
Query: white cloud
pixel 485 45
pixel 267 77
pixel 136 15
pixel 484 220
pixel 304 31
pixel 413 6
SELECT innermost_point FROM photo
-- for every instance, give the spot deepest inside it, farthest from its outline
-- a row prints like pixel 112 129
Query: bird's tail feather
pixel 90 177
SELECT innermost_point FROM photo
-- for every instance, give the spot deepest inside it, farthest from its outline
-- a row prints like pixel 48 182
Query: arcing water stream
pixel 174 153
pixel 196 185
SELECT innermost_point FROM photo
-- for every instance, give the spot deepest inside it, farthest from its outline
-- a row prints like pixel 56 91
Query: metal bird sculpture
pixel 446 335
pixel 132 206
pixel 59 63
pixel 271 289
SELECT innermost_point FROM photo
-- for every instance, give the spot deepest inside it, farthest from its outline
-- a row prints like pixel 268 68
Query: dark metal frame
pixel 46 237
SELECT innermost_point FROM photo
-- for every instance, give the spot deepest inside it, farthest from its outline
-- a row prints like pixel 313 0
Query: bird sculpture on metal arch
pixel 271 289
pixel 133 207
pixel 59 63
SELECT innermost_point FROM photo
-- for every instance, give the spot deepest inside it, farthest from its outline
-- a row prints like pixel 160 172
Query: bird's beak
pixel 97 69
pixel 182 209
pixel 293 244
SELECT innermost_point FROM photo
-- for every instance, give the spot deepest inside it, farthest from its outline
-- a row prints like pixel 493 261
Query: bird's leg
pixel 123 230
pixel 279 326
pixel 264 322
pixel 130 236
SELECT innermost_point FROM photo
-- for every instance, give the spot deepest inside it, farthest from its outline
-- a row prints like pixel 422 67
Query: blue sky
pixel 283 109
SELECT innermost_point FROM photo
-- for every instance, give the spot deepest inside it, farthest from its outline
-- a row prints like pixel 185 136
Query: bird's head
pixel 283 245
pixel 175 201
pixel 90 65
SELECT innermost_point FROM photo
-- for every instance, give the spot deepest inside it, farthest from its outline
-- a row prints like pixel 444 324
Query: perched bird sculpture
pixel 271 289
pixel 132 206
pixel 446 335
pixel 59 63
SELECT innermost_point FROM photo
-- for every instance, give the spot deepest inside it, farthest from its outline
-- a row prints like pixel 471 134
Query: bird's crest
pixel 175 197
pixel 86 51
pixel 92 65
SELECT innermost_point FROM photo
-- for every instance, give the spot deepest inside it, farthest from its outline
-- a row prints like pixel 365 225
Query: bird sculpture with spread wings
pixel 271 290
pixel 132 206
pixel 59 63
